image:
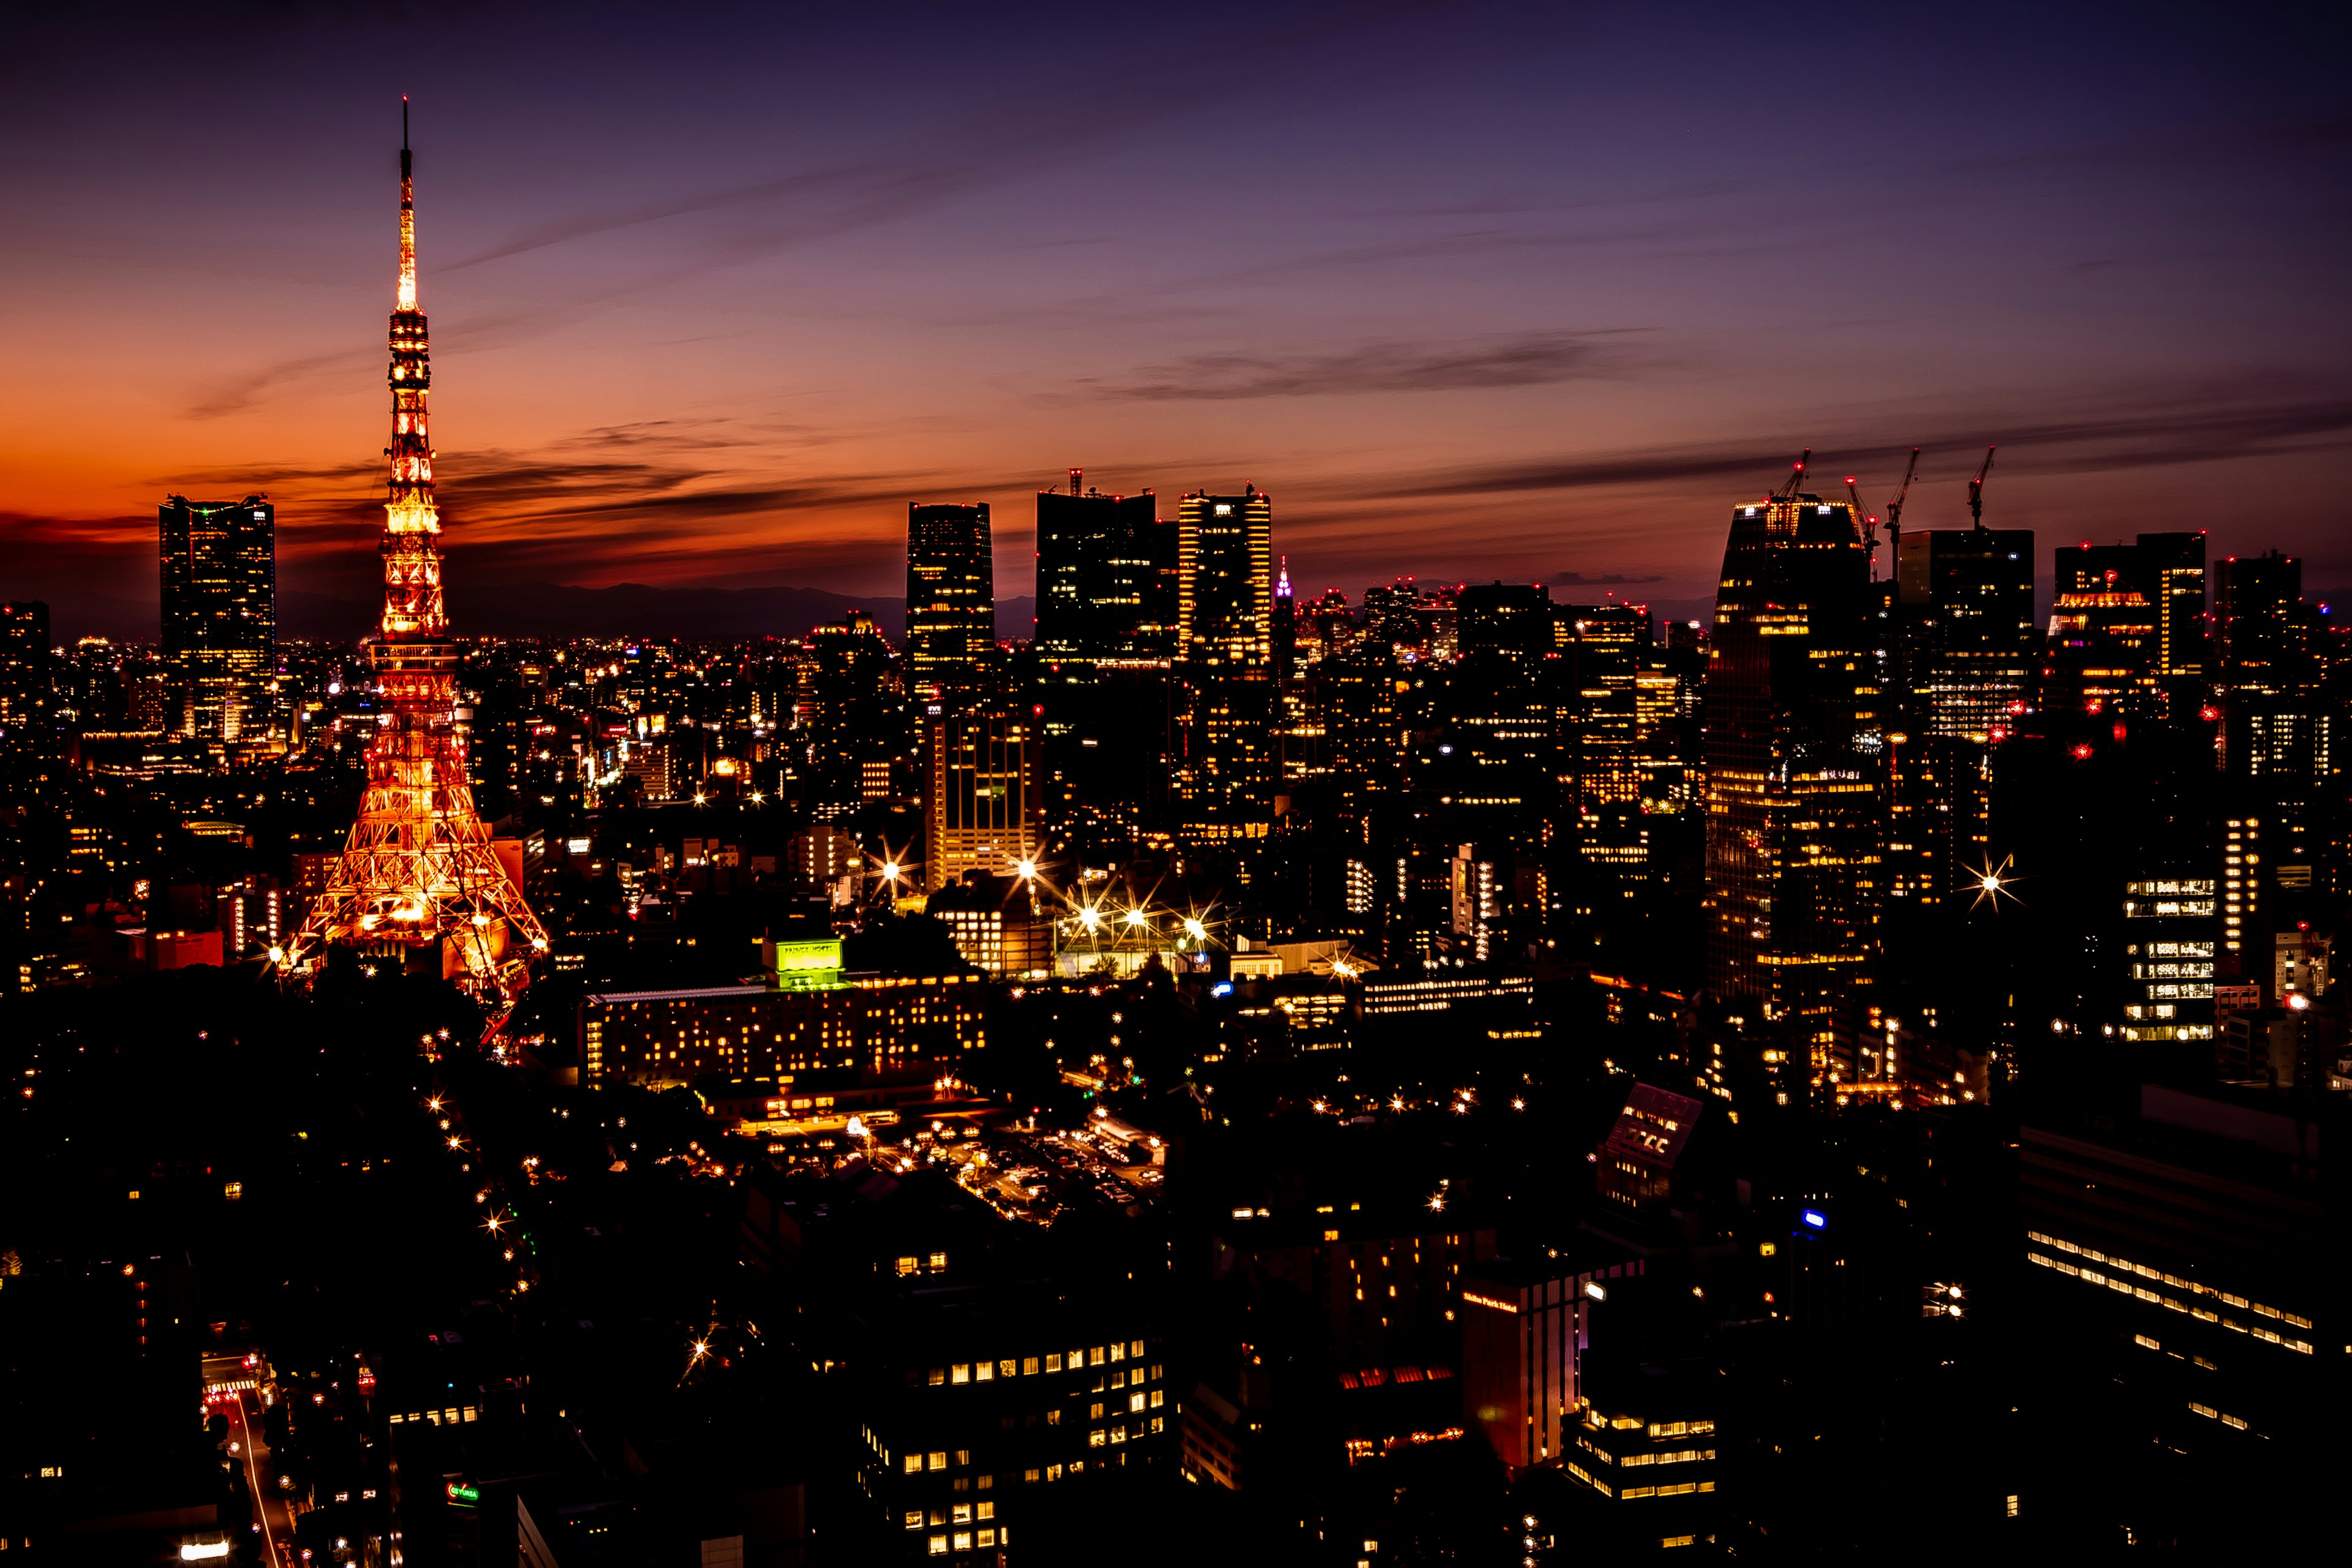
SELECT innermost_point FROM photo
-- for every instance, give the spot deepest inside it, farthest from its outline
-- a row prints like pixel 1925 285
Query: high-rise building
pixel 858 702
pixel 1286 624
pixel 982 804
pixel 950 599
pixel 25 671
pixel 2257 604
pixel 220 619
pixel 1965 599
pixel 1105 580
pixel 1794 758
pixel 2172 569
pixel 1510 618
pixel 419 873
pixel 1224 651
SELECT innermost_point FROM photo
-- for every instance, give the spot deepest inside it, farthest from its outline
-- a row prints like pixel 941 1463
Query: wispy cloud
pixel 2185 431
pixel 1025 132
pixel 1513 359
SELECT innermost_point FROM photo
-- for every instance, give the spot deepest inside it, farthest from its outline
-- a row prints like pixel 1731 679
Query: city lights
pixel 897 962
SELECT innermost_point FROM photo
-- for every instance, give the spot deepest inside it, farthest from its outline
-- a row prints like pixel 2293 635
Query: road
pixel 276 1510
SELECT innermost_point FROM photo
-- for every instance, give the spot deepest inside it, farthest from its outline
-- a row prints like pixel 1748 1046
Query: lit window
pixel 939 1546
pixel 936 1460
pixel 959 1373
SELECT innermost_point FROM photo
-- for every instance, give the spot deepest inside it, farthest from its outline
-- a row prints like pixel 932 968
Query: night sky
pixel 1523 292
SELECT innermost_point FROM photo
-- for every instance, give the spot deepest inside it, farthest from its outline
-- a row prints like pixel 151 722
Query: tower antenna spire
pixel 419 875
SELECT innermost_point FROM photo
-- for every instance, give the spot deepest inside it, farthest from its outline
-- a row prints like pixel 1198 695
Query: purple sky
pixel 1524 291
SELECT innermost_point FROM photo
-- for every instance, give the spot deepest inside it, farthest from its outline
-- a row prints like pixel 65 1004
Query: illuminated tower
pixel 420 871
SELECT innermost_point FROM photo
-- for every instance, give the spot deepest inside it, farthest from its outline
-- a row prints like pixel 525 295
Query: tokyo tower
pixel 420 871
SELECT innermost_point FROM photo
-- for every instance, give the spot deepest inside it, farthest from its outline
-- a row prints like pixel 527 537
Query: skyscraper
pixel 1106 575
pixel 950 599
pixel 25 671
pixel 1286 624
pixel 419 874
pixel 220 620
pixel 982 803
pixel 2173 576
pixel 1794 766
pixel 1224 653
pixel 2257 606
pixel 1965 599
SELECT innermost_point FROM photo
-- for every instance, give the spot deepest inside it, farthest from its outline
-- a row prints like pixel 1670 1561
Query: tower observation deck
pixel 419 873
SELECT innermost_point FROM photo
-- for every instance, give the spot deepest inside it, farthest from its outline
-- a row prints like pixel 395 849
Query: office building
pixel 1794 758
pixel 26 668
pixel 2262 631
pixel 1286 624
pixel 1225 643
pixel 982 803
pixel 1965 623
pixel 2180 1265
pixel 220 618
pixel 807 1018
pixel 2173 577
pixel 1510 618
pixel 1105 580
pixel 950 600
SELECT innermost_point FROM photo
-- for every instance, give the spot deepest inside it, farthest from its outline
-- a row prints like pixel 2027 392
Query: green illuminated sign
pixel 806 965
pixel 464 1494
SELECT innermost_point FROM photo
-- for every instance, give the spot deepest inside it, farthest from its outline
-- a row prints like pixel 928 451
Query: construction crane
pixel 1895 507
pixel 1868 524
pixel 1787 491
pixel 1976 490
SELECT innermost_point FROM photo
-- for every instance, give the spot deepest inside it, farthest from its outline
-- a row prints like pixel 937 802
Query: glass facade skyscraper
pixel 220 562
pixel 950 598
pixel 1965 599
pixel 1225 655
pixel 1794 757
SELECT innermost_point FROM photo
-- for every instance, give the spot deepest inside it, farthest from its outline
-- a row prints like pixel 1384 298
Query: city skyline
pixel 721 349
pixel 1437 974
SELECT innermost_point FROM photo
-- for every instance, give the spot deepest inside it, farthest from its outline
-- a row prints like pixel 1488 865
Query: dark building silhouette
pixel 1106 579
pixel 1512 618
pixel 950 599
pixel 1794 764
pixel 2263 635
pixel 220 619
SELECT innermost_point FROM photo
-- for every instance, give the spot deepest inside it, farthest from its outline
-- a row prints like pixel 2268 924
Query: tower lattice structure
pixel 420 870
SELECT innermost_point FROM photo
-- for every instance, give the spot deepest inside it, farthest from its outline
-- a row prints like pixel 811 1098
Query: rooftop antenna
pixel 1976 490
